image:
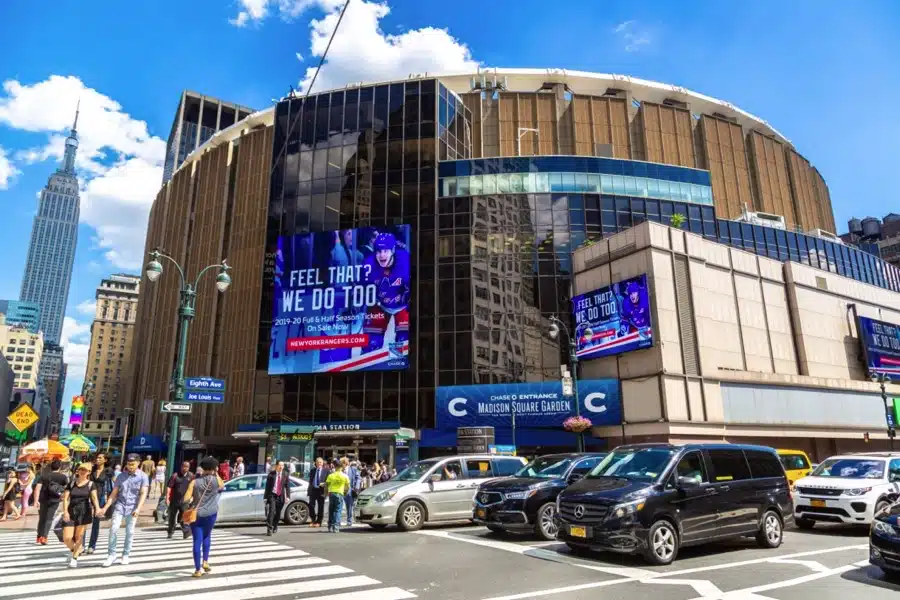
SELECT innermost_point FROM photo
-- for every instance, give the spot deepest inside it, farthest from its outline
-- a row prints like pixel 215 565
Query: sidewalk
pixel 30 521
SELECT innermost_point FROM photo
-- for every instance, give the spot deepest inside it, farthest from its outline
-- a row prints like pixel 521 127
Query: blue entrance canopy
pixel 145 443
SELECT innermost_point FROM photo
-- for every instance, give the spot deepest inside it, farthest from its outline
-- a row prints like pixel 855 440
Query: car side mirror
pixel 575 477
pixel 686 483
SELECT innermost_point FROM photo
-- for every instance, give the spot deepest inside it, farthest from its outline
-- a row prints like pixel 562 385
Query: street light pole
pixel 555 327
pixel 188 296
pixel 881 378
pixel 125 435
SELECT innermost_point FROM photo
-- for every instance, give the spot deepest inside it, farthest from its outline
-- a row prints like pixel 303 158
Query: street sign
pixel 174 407
pixel 204 397
pixel 23 417
pixel 206 384
pixel 568 388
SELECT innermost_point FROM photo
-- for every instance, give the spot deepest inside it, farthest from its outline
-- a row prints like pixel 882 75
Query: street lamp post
pixel 188 296
pixel 882 379
pixel 125 434
pixel 555 326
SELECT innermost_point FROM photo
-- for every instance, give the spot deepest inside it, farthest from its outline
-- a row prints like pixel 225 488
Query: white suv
pixel 849 488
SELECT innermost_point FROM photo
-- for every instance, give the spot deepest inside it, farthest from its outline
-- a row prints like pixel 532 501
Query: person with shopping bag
pixel 202 502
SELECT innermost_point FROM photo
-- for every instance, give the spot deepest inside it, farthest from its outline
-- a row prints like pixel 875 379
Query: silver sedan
pixel 242 500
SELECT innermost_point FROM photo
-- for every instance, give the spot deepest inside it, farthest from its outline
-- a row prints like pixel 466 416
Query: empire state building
pixel 54 235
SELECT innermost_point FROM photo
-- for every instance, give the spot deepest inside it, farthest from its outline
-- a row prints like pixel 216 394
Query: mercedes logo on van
pixel 579 511
pixel 484 498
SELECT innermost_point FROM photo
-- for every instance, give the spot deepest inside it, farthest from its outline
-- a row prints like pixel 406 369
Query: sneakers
pixel 73 562
pixel 109 560
pixel 42 541
pixel 206 567
pixel 89 551
pixel 125 560
pixel 169 535
pixel 186 534
pixel 197 574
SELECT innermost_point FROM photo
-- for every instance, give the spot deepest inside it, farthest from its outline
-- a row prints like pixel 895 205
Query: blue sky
pixel 824 73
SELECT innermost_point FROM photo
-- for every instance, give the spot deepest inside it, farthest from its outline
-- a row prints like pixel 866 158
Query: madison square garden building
pixel 482 185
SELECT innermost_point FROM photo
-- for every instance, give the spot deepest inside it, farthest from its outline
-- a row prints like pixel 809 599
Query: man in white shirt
pixel 238 467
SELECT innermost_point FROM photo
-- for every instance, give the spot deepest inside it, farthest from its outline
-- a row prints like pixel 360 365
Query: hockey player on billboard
pixel 390 272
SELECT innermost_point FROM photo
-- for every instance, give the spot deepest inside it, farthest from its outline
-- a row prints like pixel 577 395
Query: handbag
pixel 190 515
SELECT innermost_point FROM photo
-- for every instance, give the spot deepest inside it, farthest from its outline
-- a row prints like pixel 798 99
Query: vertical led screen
pixel 881 346
pixel 341 301
pixel 75 417
pixel 613 319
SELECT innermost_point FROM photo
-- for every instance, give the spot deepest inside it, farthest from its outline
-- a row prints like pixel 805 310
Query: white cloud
pixel 75 340
pixel 8 171
pixel 88 307
pixel 299 56
pixel 257 10
pixel 362 51
pixel 119 162
pixel 633 37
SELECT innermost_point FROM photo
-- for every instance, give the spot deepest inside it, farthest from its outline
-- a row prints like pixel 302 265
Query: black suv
pixel 526 502
pixel 884 539
pixel 652 499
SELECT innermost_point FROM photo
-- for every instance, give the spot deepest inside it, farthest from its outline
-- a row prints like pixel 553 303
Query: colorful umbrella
pixel 78 443
pixel 45 448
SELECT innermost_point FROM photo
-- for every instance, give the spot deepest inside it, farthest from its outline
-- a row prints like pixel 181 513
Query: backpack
pixel 55 489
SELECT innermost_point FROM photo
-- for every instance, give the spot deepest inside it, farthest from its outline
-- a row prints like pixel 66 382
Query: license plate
pixel 480 513
pixel 818 503
pixel 580 532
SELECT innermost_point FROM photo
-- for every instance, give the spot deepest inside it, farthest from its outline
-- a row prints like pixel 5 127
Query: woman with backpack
pixel 80 504
pixel 49 493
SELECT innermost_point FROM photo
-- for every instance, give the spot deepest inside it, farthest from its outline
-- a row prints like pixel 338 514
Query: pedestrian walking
pixel 224 470
pixel 80 504
pixel 26 479
pixel 159 478
pixel 102 477
pixel 239 468
pixel 278 491
pixel 49 493
pixel 268 464
pixel 11 491
pixel 352 472
pixel 338 486
pixel 148 467
pixel 175 492
pixel 203 497
pixel 127 499
pixel 117 470
pixel 316 491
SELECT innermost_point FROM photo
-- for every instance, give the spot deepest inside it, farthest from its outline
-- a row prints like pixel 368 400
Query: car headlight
pixel 520 495
pixel 884 528
pixel 384 496
pixel 857 491
pixel 629 508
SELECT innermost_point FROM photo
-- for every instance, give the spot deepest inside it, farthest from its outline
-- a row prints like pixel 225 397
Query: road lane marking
pixel 756 561
pixel 561 590
pixel 391 593
pixel 743 593
pixel 705 588
pixel 810 564
pixel 284 587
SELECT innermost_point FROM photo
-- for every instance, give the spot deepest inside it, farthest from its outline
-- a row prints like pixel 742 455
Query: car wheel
pixel 545 522
pixel 411 516
pixel 771 530
pixel 806 524
pixel 297 513
pixel 662 543
pixel 377 525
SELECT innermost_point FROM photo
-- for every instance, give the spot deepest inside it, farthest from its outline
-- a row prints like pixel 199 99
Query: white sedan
pixel 242 500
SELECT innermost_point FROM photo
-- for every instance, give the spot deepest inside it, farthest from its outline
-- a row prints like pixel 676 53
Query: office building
pixel 112 336
pixel 197 118
pixel 52 382
pixel 500 184
pixel 24 351
pixel 54 236
pixel 19 312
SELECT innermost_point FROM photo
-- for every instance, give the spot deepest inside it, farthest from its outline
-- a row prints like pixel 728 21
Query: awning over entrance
pixel 145 443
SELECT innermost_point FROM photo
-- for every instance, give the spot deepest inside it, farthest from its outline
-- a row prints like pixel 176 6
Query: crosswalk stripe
pixel 29 539
pixel 389 593
pixel 283 588
pixel 55 546
pixel 141 579
pixel 221 550
pixel 172 564
pixel 193 586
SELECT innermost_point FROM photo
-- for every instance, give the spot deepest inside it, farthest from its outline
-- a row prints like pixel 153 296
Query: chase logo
pixel 593 402
pixel 453 407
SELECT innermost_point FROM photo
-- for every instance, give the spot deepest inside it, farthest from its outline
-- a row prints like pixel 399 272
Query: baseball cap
pixel 133 457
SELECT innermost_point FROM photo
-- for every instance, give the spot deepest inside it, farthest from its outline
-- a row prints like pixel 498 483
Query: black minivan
pixel 653 499
pixel 526 502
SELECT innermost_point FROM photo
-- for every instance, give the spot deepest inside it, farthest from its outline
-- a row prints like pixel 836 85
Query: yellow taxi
pixel 796 464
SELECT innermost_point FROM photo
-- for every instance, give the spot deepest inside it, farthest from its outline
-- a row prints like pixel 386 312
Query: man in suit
pixel 278 491
pixel 317 476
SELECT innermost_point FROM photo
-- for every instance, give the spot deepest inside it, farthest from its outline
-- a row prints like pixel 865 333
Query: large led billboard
pixel 613 319
pixel 341 301
pixel 881 346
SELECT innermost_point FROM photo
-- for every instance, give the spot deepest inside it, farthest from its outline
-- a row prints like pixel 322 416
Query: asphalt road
pixel 465 562
pixel 451 562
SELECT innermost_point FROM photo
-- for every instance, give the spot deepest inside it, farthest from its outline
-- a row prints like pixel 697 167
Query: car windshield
pixel 851 468
pixel 642 464
pixel 414 471
pixel 549 467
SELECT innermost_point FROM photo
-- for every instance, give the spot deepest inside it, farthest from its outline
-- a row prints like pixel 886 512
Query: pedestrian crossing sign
pixel 23 417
